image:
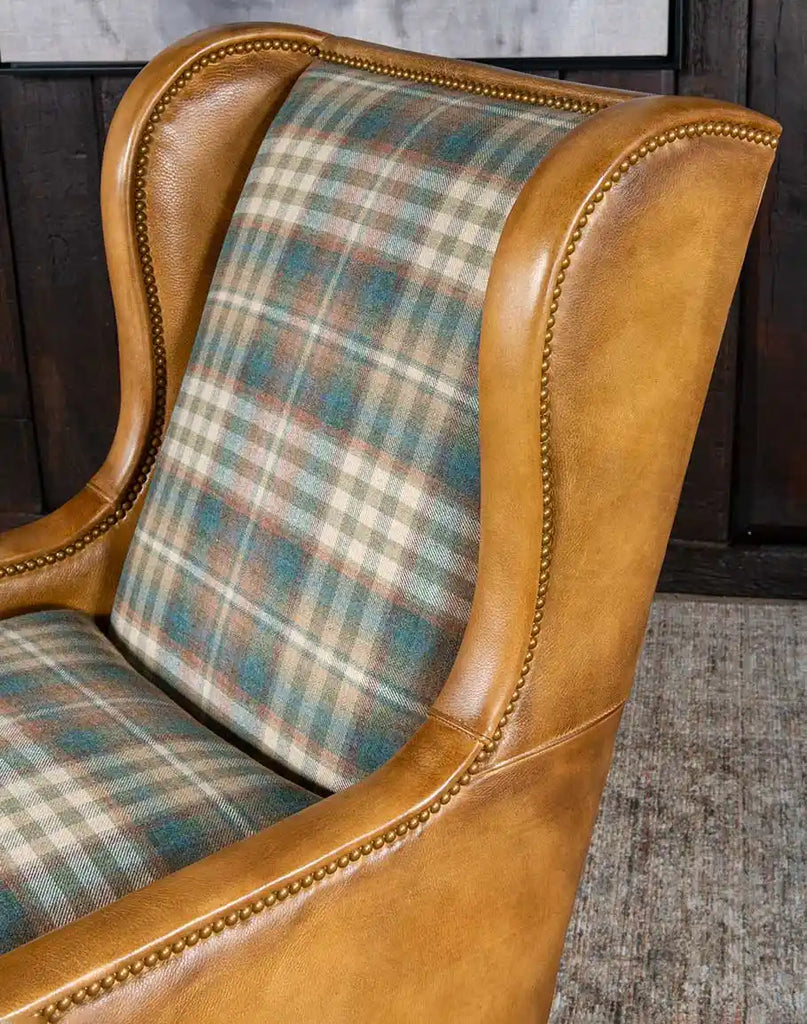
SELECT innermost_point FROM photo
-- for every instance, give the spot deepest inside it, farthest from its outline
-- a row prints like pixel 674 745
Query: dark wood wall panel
pixel 20 491
pixel 52 159
pixel 714 65
pixel 772 462
pixel 108 90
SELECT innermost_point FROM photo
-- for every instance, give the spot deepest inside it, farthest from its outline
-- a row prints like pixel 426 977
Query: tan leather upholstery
pixel 440 887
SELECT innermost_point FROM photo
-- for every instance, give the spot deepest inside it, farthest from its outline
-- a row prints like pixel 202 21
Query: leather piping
pixel 476 762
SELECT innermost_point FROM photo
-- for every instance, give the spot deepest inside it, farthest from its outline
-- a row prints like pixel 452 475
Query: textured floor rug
pixel 692 908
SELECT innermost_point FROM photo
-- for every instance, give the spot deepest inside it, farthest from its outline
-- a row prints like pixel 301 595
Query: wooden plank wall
pixel 20 486
pixel 772 475
pixel 52 158
pixel 742 522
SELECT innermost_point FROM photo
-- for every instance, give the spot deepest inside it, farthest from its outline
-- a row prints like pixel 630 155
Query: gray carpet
pixel 692 905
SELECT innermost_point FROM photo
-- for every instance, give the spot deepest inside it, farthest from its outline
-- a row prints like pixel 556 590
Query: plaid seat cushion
pixel 105 784
pixel 304 565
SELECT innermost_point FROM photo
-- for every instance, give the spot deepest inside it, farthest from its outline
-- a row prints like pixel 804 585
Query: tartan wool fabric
pixel 105 784
pixel 304 566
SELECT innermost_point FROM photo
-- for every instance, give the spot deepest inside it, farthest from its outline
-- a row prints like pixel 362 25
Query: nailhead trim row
pixel 54 1012
pixel 539 97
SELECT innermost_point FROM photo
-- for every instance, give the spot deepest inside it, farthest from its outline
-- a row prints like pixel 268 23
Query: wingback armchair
pixel 307 700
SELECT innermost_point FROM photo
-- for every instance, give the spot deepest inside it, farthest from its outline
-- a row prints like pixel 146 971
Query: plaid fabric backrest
pixel 304 565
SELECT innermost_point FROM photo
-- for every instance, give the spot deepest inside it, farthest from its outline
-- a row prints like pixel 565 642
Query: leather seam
pixel 557 741
pixel 457 726
pixel 475 764
pixel 100 492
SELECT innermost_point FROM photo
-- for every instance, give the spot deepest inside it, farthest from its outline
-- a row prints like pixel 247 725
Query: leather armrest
pixel 297 853
pixel 71 558
pixel 394 900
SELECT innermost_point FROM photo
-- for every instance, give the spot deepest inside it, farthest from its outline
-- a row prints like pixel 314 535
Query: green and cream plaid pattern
pixel 105 784
pixel 304 565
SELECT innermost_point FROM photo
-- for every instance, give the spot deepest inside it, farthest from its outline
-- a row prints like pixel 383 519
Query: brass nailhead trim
pixel 53 1012
pixel 537 97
